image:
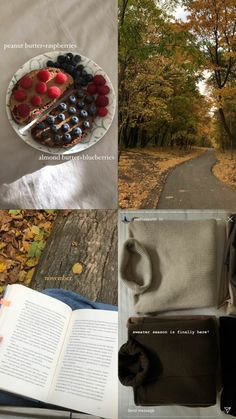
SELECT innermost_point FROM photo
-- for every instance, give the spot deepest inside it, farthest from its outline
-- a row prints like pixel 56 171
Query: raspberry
pixel 92 89
pixel 41 87
pixel 99 80
pixel 61 78
pixel 23 110
pixel 103 90
pixel 54 92
pixel 43 75
pixel 102 112
pixel 26 82
pixel 20 95
pixel 102 101
pixel 36 100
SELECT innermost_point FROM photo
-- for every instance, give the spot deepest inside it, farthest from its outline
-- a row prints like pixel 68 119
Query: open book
pixel 59 356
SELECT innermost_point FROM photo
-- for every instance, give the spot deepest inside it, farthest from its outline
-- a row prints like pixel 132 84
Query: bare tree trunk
pixel 226 126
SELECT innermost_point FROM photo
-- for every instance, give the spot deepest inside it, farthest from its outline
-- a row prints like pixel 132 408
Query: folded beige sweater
pixel 171 264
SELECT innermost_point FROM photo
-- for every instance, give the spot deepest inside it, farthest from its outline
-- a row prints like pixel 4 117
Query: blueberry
pixel 92 110
pixel 62 106
pixel 72 99
pixel 74 120
pixel 88 78
pixel 76 132
pixel 84 82
pixel 57 138
pixel 63 66
pixel 65 127
pixel 61 117
pixel 70 55
pixel 50 63
pixel 67 138
pixel 72 110
pixel 54 128
pixel 80 94
pixel 84 73
pixel 80 105
pixel 50 119
pixel 70 68
pixel 80 68
pixel 83 113
pixel 79 81
pixel 41 125
pixel 45 135
pixel 67 59
pixel 86 125
pixel 60 59
pixel 89 99
pixel 77 58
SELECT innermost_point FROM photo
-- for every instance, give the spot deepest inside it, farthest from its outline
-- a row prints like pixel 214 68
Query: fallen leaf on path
pixel 142 174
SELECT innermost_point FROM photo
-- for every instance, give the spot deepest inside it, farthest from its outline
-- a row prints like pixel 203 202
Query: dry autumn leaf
pixel 36 230
pixel 22 276
pixel 142 173
pixel 46 226
pixel 77 268
pixel 25 246
pixel 3 267
pixel 21 258
pixel 29 276
pixel 28 235
pixel 74 244
pixel 2 278
pixel 32 262
pixel 23 236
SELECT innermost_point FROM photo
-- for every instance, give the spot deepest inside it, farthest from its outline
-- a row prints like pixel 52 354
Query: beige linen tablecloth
pixel 27 182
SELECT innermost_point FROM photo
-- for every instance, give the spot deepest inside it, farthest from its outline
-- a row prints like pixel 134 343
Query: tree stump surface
pixel 90 239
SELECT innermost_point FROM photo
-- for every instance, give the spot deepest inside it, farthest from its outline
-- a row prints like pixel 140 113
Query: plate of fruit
pixel 60 102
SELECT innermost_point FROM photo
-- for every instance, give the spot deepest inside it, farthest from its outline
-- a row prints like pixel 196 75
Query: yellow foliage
pixel 32 262
pixel 3 266
pixel 77 268
pixel 35 230
pixel 29 276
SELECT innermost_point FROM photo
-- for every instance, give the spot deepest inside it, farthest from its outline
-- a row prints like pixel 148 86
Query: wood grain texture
pixel 88 237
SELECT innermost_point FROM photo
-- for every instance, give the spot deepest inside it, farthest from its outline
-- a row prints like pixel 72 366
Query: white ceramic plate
pixel 100 125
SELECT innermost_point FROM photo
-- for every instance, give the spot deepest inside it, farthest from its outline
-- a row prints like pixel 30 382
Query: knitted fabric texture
pixel 171 264
pixel 171 360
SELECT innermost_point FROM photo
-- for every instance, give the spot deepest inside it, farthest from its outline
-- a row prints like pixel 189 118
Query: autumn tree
pixel 159 101
pixel 213 22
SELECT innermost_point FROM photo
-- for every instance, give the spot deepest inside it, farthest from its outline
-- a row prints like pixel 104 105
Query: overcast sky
pixel 180 13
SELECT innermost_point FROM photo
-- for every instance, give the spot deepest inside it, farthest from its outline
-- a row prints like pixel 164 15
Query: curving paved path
pixel 192 185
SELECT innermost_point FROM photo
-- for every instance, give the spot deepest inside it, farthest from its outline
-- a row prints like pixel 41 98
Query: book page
pixel 86 378
pixel 33 329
